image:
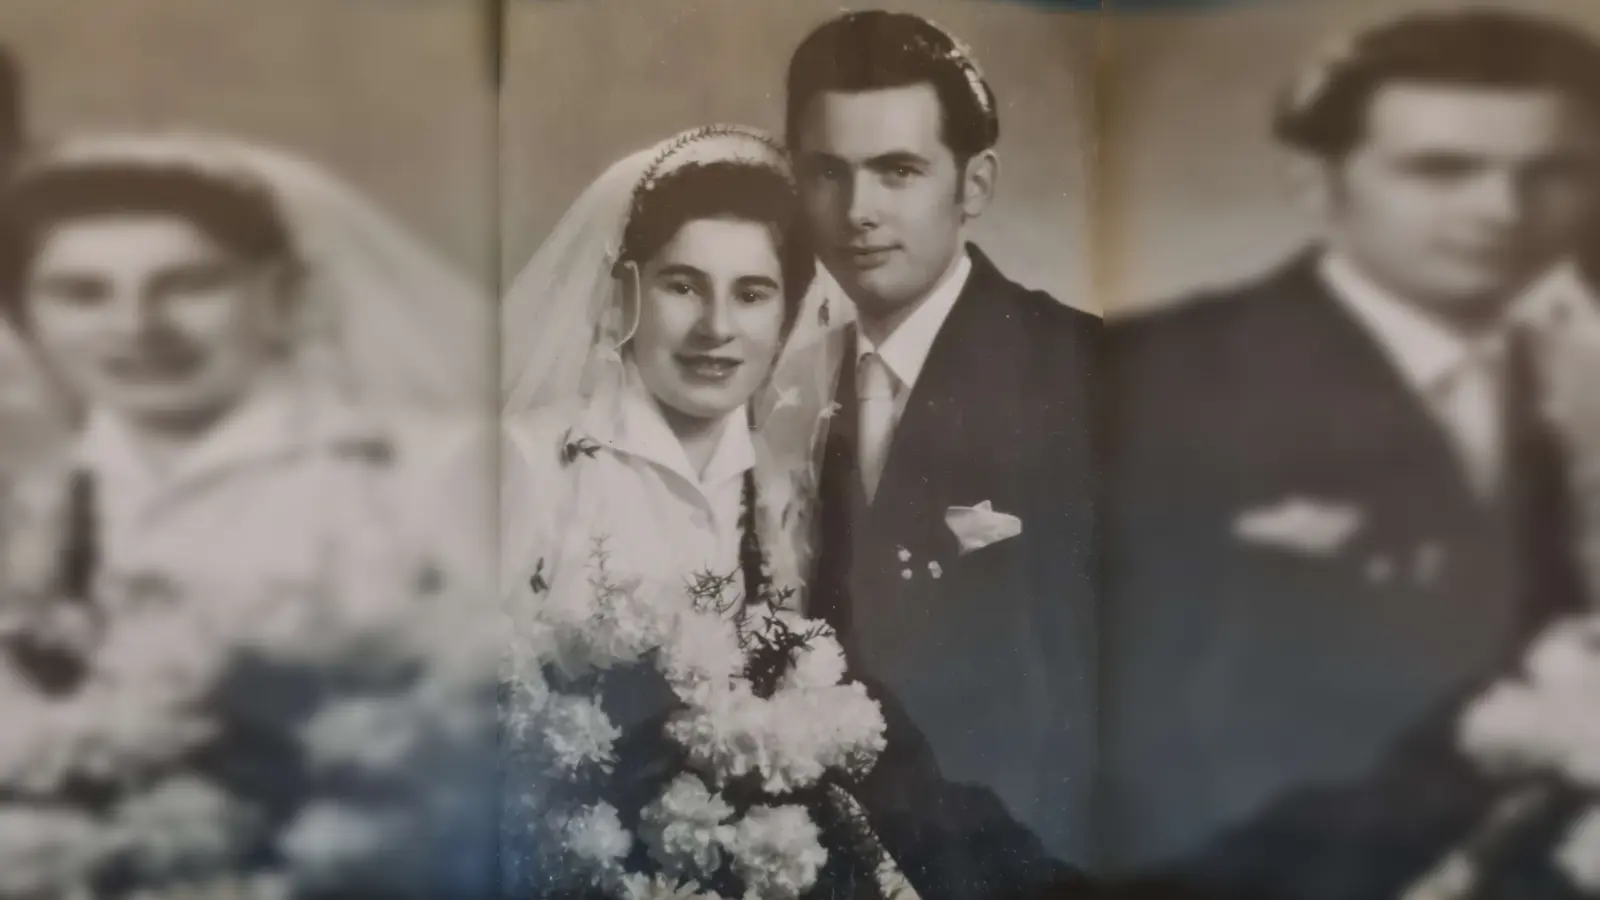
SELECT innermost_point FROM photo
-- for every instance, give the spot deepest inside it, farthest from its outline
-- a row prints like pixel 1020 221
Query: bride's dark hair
pixel 725 190
pixel 241 218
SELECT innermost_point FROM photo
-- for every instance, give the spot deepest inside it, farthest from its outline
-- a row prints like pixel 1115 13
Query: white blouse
pixel 614 476
pixel 295 487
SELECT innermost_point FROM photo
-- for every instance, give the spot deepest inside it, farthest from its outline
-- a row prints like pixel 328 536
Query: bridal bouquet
pixel 669 745
pixel 169 740
pixel 1539 730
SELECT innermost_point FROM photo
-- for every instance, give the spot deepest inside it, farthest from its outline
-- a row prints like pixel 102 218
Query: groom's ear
pixel 977 183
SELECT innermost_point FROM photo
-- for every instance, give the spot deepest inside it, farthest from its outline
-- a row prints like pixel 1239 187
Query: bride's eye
pixel 681 288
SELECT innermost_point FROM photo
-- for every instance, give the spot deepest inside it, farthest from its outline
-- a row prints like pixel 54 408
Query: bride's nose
pixel 716 317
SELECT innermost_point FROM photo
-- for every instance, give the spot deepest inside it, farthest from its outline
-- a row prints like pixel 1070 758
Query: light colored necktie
pixel 1471 403
pixel 875 398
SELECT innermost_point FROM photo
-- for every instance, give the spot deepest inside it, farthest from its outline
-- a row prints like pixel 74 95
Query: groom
pixel 955 533
pixel 1335 505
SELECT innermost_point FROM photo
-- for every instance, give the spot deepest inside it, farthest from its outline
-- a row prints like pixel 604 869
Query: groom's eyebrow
pixel 758 281
pixel 898 158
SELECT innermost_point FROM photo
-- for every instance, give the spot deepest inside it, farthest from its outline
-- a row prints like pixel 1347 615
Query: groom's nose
pixel 863 206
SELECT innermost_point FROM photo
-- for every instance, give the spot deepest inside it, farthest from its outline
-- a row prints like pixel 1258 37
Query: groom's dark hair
pixel 1325 111
pixel 877 50
pixel 725 190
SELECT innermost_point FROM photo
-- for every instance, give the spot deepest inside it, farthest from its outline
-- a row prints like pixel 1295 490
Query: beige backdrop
pixel 1196 191
pixel 588 81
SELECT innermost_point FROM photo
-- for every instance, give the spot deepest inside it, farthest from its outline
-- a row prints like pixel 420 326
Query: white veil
pixel 386 319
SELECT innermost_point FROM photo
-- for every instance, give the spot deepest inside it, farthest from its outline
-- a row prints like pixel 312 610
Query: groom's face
pixel 882 192
pixel 1457 196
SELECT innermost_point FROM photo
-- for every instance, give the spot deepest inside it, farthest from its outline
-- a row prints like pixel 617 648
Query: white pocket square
pixel 1312 527
pixel 979 526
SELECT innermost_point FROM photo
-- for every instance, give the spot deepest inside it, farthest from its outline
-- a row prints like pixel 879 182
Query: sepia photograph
pixel 819 450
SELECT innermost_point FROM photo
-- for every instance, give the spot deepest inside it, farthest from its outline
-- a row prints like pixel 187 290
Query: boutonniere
pixel 574 447
pixel 976 527
pixel 1302 525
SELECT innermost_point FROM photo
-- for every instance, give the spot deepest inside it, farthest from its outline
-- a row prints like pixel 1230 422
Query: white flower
pixel 726 732
pixel 596 836
pixel 46 852
pixel 578 732
pixel 820 664
pixel 1544 723
pixel 376 734
pixel 936 570
pixel 660 887
pixel 702 651
pixel 1567 657
pixel 683 827
pixel 1509 729
pixel 334 844
pixel 117 731
pixel 185 825
pixel 790 739
pixel 777 852
pixel 1579 855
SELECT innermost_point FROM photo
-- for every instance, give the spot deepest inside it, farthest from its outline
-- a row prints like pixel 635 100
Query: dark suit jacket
pixel 1238 672
pixel 991 653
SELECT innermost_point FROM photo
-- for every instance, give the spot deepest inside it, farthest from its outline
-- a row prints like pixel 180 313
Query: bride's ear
pixel 625 311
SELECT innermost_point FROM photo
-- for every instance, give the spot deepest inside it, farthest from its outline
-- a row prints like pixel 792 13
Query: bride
pixel 270 381
pixel 638 336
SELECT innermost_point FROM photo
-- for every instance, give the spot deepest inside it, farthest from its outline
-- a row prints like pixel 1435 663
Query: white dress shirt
pixel 901 357
pixel 1461 379
pixel 634 488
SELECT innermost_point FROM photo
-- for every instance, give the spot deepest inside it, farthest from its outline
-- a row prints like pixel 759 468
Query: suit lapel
pixel 1365 407
pixel 944 413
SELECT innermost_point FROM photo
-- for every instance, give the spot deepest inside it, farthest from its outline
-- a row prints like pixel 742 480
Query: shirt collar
pixel 279 416
pixel 905 351
pixel 633 425
pixel 1426 351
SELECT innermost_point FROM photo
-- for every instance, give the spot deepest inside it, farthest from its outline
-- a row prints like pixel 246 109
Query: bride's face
pixel 711 317
pixel 147 315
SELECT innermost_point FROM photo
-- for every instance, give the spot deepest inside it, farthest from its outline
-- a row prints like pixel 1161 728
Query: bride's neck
pixel 698 436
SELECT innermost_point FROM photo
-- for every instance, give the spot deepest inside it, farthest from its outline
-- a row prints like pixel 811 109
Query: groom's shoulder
pixel 1213 322
pixel 1045 316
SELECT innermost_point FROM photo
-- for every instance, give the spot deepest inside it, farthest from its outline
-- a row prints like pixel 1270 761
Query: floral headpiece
pixel 714 143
